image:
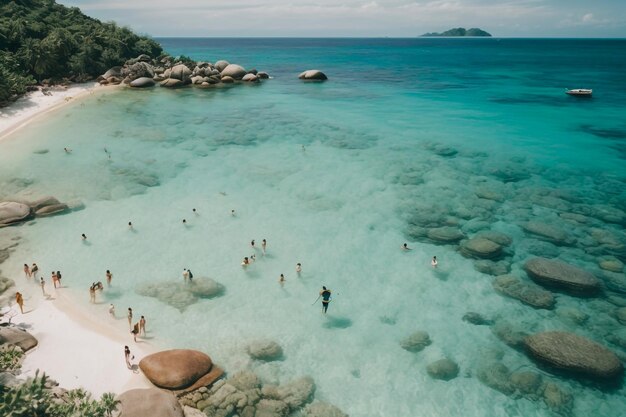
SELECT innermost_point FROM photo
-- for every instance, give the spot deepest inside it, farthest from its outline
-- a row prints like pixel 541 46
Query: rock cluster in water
pixel 181 295
pixel 143 72
pixel 18 211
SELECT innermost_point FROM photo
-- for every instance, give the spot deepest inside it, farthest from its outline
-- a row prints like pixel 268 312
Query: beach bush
pixel 34 398
pixel 42 40
pixel 10 358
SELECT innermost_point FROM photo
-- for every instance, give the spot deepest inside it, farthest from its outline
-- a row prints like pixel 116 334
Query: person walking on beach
pixel 19 299
pixel 43 285
pixel 27 271
pixel 109 277
pixel 128 357
pixel 281 280
pixel 135 331
pixel 33 270
pixel 325 293
pixel 434 262
pixel 130 317
pixel 142 325
pixel 298 268
pixel 54 279
pixel 263 246
pixel 59 278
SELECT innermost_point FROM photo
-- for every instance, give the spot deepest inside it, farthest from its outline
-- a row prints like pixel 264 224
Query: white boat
pixel 579 92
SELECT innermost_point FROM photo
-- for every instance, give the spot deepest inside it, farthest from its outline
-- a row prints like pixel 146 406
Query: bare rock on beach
pixel 314 75
pixel 13 212
pixel 142 82
pixel 151 402
pixel 180 369
pixel 12 335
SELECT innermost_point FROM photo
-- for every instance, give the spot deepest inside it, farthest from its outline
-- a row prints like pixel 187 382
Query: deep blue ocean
pixel 439 143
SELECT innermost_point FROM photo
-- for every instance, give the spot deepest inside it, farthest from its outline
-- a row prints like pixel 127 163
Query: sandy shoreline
pixel 35 104
pixel 77 348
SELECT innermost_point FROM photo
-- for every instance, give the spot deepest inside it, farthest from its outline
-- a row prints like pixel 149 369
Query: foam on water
pixel 379 158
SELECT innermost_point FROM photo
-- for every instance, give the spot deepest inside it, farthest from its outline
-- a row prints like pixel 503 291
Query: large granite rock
pixel 265 350
pixel 142 82
pixel 13 212
pixel 556 274
pixel 512 287
pixel 234 71
pixel 314 75
pixel 443 369
pixel 221 64
pixel 181 72
pixel 575 354
pixel 171 83
pixel 416 341
pixel 481 248
pixel 252 78
pixel 140 70
pixel 17 337
pixel 50 210
pixel 177 369
pixel 150 402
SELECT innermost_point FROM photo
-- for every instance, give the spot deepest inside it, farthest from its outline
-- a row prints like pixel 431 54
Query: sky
pixel 361 18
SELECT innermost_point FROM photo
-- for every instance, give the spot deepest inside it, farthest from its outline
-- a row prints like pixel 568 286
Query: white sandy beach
pixel 36 103
pixel 78 349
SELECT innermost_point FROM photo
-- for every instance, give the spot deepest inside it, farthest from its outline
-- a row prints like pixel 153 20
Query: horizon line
pixel 385 37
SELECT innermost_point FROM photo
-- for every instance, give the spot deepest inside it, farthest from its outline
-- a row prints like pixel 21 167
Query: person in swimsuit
pixel 325 293
pixel 109 276
pixel 112 310
pixel 27 271
pixel 434 262
pixel 83 236
pixel 130 316
pixel 54 279
pixel 33 270
pixel 20 301
pixel 252 243
pixel 298 268
pixel 142 325
pixel 185 275
pixel 264 245
pixel 130 225
pixel 281 280
pixel 135 331
pixel 245 262
pixel 43 286
pixel 59 278
pixel 128 356
pixel 405 247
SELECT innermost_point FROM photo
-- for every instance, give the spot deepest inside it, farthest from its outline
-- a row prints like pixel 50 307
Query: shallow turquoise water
pixel 404 130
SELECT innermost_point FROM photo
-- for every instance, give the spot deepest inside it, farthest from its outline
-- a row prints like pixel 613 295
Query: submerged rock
pixel 480 248
pixel 181 295
pixel 322 409
pixel 528 384
pixel 552 273
pixel 416 342
pixel 512 287
pixel 265 350
pixel 575 354
pixel 557 399
pixel 492 268
pixel 550 233
pixel 611 264
pixel 445 234
pixel 443 369
pixel 497 237
pixel 476 319
pixel 496 376
pixel 509 334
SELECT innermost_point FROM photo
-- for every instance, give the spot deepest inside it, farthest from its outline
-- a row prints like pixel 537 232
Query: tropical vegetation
pixel 42 41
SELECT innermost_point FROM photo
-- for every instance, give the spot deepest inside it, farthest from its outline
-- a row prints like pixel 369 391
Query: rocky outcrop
pixel 234 71
pixel 480 248
pixel 265 350
pixel 556 274
pixel 181 72
pixel 252 78
pixel 151 402
pixel 574 354
pixel 179 369
pixel 444 369
pixel 313 75
pixel 512 287
pixel 11 335
pixel 220 65
pixel 416 342
pixel 12 212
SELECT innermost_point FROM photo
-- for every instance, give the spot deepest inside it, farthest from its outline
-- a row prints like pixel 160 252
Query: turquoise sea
pixel 408 135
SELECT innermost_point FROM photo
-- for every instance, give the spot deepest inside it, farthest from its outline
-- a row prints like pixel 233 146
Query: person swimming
pixel 298 268
pixel 405 247
pixel 83 236
pixel 434 262
pixel 130 225
pixel 325 293
pixel 245 261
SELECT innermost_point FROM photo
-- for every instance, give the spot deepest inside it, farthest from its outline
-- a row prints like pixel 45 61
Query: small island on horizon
pixel 458 32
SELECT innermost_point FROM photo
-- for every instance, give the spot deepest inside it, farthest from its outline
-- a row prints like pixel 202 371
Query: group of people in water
pixel 433 261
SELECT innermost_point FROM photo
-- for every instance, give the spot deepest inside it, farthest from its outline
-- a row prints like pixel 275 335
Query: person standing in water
pixel 19 299
pixel 142 325
pixel 298 268
pixel 54 279
pixel 405 247
pixel 434 262
pixel 27 271
pixel 252 243
pixel 43 286
pixel 245 262
pixel 325 293
pixel 185 274
pixel 232 212
pixel 190 275
pixel 281 280
pixel 33 270
pixel 83 237
pixel 59 278
pixel 109 277
pixel 263 246
pixel 112 310
pixel 130 225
